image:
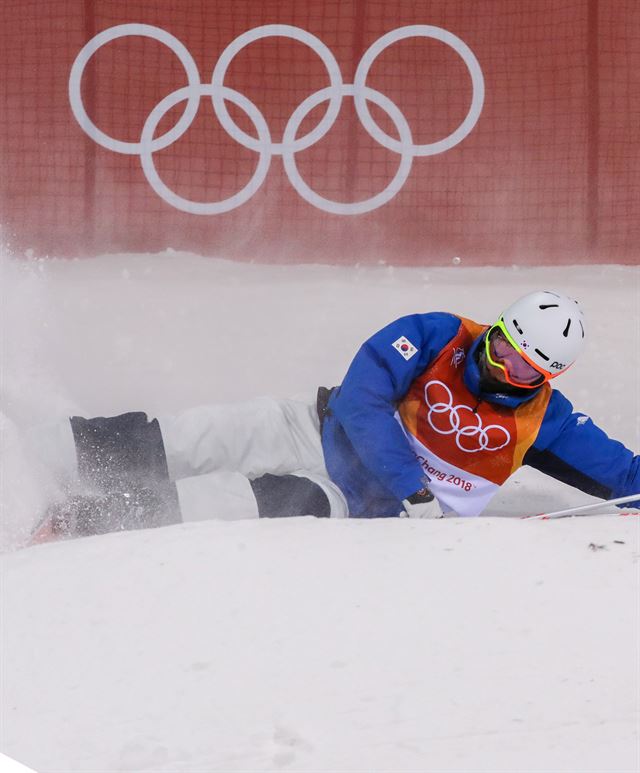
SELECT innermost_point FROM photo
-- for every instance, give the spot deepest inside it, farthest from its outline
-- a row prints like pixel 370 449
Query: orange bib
pixel 467 447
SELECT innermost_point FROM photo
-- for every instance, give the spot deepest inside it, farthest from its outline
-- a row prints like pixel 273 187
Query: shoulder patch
pixel 405 347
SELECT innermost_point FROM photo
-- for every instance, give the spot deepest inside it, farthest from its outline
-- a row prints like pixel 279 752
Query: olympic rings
pixel 291 144
pixel 473 431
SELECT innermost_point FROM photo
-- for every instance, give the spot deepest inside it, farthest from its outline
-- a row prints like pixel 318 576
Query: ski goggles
pixel 504 353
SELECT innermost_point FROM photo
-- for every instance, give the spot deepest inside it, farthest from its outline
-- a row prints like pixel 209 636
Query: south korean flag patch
pixel 405 347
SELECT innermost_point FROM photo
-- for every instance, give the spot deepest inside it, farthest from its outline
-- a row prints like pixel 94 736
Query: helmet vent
pixel 542 354
pixel 517 326
pixel 565 332
pixel 582 328
pixel 544 306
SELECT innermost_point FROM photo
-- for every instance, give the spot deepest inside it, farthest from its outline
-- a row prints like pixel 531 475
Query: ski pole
pixel 584 509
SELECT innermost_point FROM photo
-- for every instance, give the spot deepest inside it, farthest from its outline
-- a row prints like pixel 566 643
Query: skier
pixel 433 416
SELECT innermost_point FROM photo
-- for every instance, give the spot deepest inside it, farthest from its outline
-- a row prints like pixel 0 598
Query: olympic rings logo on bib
pixel 263 144
pixel 445 418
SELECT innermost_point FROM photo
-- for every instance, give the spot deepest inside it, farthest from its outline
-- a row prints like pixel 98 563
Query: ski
pixel 593 509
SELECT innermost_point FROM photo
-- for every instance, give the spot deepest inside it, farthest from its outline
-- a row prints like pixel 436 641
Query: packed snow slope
pixel 493 644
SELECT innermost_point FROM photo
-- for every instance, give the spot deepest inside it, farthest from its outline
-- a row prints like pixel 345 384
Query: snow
pixel 490 644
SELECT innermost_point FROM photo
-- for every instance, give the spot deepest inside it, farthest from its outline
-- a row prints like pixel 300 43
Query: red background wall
pixel 550 173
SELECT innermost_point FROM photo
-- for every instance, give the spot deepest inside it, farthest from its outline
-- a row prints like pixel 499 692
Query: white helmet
pixel 548 327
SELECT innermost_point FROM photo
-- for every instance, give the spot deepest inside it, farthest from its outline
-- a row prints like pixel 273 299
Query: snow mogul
pixel 433 416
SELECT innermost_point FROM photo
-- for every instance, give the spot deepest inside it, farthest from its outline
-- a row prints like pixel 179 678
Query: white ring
pixel 198 207
pixel 286 31
pixel 121 31
pixel 355 207
pixel 468 57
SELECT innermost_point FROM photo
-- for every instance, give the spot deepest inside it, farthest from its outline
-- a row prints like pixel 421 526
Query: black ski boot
pixel 81 515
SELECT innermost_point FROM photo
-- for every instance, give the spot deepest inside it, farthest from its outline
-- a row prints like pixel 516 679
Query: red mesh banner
pixel 501 131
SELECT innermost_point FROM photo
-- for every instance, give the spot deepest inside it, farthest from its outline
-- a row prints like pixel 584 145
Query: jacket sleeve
pixel 572 449
pixel 378 378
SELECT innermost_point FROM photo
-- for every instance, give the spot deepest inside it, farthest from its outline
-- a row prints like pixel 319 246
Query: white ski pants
pixel 214 450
